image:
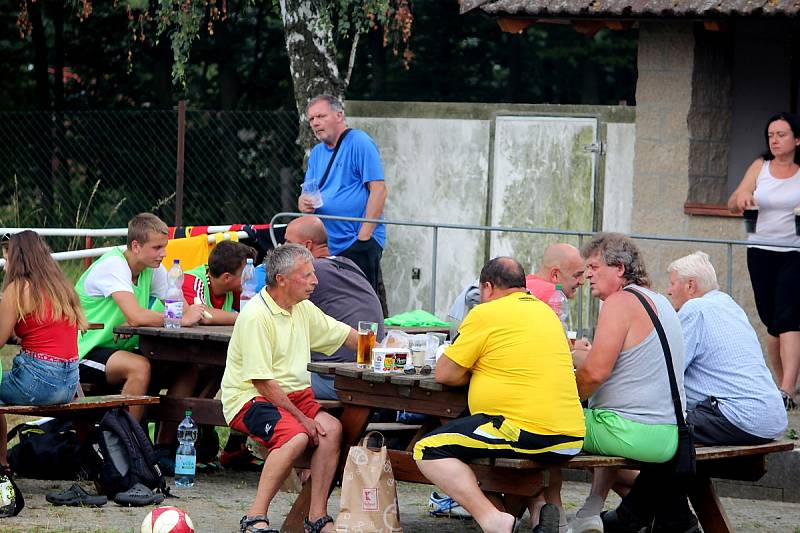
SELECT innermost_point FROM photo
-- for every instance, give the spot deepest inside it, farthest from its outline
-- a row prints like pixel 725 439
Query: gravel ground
pixel 217 502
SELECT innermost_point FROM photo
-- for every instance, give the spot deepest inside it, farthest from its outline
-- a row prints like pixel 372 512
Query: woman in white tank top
pixel 772 182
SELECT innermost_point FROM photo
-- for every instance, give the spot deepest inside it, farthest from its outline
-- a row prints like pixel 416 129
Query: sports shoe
pixel 549 519
pixel 619 521
pixel 587 524
pixel 443 505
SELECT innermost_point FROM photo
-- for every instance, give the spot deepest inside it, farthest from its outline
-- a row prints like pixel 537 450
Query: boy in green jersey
pixel 119 289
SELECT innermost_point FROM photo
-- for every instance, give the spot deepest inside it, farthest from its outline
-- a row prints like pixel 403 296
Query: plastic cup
pixel 572 336
pixel 311 189
pixel 751 218
pixel 419 347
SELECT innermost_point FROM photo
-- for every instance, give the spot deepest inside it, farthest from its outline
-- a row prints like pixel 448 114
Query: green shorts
pixel 607 433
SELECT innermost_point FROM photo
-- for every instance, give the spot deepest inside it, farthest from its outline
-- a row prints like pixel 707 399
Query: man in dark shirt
pixel 343 293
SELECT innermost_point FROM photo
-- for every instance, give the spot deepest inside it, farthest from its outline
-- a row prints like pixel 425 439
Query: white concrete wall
pixel 618 186
pixel 437 164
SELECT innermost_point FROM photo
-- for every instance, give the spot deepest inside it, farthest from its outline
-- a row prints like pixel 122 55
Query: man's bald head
pixel 562 264
pixel 308 231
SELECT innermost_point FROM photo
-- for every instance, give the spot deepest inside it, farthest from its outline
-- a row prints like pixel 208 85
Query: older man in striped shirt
pixel 730 395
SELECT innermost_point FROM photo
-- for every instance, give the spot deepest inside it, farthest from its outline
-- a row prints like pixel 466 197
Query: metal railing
pixel 581 236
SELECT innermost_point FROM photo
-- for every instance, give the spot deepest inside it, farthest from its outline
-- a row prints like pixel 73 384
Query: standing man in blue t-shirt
pixel 353 187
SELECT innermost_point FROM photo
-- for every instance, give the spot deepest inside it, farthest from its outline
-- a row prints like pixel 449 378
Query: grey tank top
pixel 638 387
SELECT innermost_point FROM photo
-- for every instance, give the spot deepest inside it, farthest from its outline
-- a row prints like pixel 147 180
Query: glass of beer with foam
pixel 366 342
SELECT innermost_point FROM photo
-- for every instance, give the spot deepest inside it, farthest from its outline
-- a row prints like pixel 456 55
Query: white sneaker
pixel 443 505
pixel 587 524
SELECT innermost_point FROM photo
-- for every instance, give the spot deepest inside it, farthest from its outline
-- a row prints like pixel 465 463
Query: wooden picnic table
pixel 420 329
pixel 207 345
pixel 362 391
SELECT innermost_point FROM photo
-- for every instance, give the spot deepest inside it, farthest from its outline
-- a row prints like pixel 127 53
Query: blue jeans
pixel 33 381
pixel 323 387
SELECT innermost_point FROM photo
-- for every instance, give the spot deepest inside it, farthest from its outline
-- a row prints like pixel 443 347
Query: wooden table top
pixel 421 329
pixel 202 333
pixel 351 370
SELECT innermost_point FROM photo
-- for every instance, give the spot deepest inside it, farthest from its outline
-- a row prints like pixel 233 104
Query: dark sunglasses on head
pixel 5 238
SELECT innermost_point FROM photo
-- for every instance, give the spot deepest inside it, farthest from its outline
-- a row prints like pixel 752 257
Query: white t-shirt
pixel 114 275
pixel 776 199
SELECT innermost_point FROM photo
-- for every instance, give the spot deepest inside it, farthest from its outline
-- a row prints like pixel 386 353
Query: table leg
pixel 354 421
pixel 294 520
pixel 708 507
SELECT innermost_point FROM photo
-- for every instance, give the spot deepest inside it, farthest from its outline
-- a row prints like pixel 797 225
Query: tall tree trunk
pixel 312 59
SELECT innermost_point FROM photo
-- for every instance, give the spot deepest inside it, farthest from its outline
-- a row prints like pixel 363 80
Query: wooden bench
pixel 204 410
pixel 78 405
pixel 745 463
pixel 83 410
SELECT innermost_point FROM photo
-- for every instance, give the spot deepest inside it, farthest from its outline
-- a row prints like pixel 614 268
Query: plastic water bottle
pixel 173 303
pixel 560 305
pixel 248 284
pixel 186 457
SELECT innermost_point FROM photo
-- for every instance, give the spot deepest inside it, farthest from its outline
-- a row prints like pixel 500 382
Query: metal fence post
pixel 434 253
pixel 179 164
pixel 730 269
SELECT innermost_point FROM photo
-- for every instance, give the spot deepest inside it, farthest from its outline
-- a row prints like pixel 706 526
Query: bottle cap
pixel 176 261
pixel 558 286
pixel 188 412
pixel 249 260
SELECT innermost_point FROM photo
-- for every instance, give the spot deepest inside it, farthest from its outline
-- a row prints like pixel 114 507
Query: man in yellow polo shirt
pixel 266 388
pixel 513 352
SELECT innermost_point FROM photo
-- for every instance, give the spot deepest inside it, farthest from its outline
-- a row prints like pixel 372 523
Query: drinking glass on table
pixel 366 342
pixel 418 345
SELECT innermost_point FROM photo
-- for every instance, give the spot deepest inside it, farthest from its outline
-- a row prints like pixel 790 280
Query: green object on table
pixel 415 319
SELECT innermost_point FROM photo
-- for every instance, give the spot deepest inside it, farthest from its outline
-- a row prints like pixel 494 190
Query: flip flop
pixel 138 496
pixel 75 496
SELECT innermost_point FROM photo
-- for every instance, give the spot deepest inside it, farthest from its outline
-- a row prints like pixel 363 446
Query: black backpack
pixel 128 456
pixel 49 450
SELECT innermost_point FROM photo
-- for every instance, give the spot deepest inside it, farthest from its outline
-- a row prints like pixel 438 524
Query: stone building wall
pixel 679 97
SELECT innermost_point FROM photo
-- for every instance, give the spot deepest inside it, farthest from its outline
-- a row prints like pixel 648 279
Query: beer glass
pixel 366 342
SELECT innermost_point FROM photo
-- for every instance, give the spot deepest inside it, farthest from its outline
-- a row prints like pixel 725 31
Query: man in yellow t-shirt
pixel 523 400
pixel 266 388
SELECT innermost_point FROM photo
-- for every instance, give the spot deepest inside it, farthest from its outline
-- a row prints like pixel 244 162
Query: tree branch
pixel 352 61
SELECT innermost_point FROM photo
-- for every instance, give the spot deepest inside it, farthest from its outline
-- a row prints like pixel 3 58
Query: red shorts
pixel 273 426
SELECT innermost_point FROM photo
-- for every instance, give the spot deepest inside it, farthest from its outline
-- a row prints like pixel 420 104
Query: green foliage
pixel 184 24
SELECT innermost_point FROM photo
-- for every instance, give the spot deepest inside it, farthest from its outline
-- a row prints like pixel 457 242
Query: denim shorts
pixel 33 381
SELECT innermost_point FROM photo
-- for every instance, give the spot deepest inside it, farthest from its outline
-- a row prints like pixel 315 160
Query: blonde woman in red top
pixel 39 307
